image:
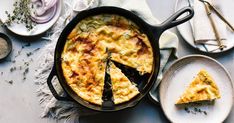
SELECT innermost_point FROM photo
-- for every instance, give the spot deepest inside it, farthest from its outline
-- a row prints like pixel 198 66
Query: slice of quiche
pixel 202 88
pixel 123 89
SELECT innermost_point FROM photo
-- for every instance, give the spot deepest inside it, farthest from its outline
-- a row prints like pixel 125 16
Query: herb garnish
pixel 31 53
pixel 12 69
pixel 187 110
pixel 23 68
pixel 13 61
pixel 10 81
pixel 195 110
pixel 19 52
pixel 25 71
pixel 21 14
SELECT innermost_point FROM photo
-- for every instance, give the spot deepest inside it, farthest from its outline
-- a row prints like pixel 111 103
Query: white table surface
pixel 19 103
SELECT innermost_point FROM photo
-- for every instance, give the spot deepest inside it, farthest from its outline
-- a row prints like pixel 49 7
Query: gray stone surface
pixel 19 104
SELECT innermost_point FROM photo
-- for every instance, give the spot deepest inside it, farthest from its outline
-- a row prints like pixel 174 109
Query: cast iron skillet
pixel 144 83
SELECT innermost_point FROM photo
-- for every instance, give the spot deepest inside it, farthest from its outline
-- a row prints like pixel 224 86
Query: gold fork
pixel 208 11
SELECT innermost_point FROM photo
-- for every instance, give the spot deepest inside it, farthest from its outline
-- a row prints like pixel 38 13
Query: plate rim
pixel 189 57
pixel 59 10
pixel 179 30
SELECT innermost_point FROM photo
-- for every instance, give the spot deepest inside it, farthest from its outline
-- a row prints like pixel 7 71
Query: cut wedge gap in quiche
pixel 107 95
pixel 202 88
pixel 123 89
pixel 133 74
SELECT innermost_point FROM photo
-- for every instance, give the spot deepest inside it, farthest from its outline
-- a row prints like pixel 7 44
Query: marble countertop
pixel 19 103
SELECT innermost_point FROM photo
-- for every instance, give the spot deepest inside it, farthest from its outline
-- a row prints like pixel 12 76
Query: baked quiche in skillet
pixel 85 54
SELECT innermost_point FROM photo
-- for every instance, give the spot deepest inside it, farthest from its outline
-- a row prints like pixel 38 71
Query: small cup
pixel 9 46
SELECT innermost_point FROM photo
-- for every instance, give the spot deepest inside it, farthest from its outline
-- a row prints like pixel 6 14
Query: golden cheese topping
pixel 84 70
pixel 202 88
pixel 85 53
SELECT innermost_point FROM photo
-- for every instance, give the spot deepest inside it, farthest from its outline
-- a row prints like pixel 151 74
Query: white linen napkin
pixel 202 27
pixel 70 110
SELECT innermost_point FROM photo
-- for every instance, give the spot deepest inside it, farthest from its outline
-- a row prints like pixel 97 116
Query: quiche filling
pixel 123 89
pixel 202 88
pixel 85 53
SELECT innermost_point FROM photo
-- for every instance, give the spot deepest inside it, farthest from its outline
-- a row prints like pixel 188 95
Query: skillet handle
pixel 174 21
pixel 52 89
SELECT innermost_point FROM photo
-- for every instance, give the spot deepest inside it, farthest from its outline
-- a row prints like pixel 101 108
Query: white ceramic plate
pixel 186 31
pixel 179 76
pixel 20 29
